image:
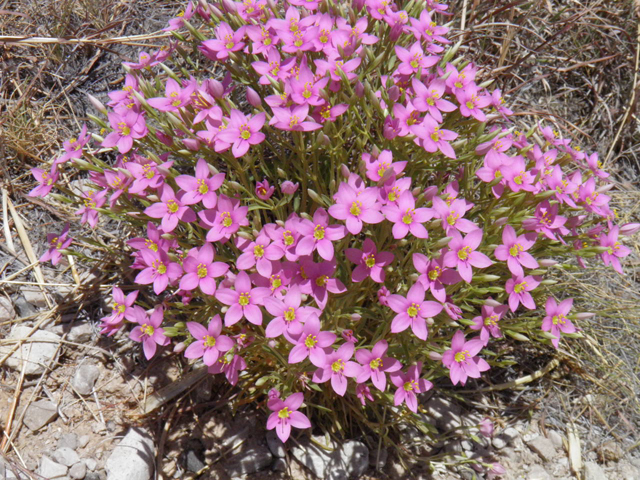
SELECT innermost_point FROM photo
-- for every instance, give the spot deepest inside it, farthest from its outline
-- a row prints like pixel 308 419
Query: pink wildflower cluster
pixel 386 230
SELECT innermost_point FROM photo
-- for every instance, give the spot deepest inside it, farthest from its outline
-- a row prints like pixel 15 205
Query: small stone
pixel 78 471
pixel 543 447
pixel 593 471
pixel 556 439
pixel 314 457
pixel 101 475
pixel 90 463
pixel 85 378
pixel 538 472
pixel 275 444
pixel 506 437
pixel 352 461
pixel 83 441
pixel 194 461
pixel 66 456
pixel 39 414
pixel 626 471
pixel 378 458
pixel 24 308
pixel 7 311
pixel 609 451
pixel 279 465
pixel 445 413
pixel 133 458
pixel 34 296
pixel 68 440
pixel 81 333
pixel 250 461
pixel 36 355
pixel 50 469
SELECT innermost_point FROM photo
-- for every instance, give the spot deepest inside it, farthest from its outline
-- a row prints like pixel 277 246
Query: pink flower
pixel 230 365
pixel 546 221
pixel 434 275
pixel 264 191
pixel 178 22
pixel 200 270
pixel 355 208
pixel 289 188
pixel 318 281
pixel 202 187
pixel 462 360
pixel 518 289
pixel 363 393
pixel 318 235
pixel 147 174
pixel 375 365
pixel 242 132
pixel 337 366
pixel 287 313
pixel 487 323
pixel 209 343
pixel 149 331
pixel 244 301
pixel 285 415
pixel 409 385
pixel 305 89
pixel 383 296
pixel 556 320
pixel 486 428
pixel 274 67
pixel 126 128
pixel 414 59
pixel 370 262
pixel 225 220
pixel 294 119
pixel 433 138
pixel 73 146
pixel 451 215
pixel 413 311
pixel 378 166
pixel 175 97
pixel 227 40
pixel 170 209
pixel 471 104
pixel 46 180
pixel 514 250
pixel 261 254
pixel 429 99
pixel 311 342
pixel 463 255
pixel 56 243
pixel 157 269
pixel 92 200
pixel 425 28
pixel 123 307
pixel 406 218
pixel 615 250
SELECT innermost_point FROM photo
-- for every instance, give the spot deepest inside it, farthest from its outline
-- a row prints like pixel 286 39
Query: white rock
pixel 504 438
pixel 34 296
pixel 32 352
pixel 65 456
pixel 538 472
pixel 543 447
pixel 7 311
pixel 50 469
pixel 78 471
pixel 593 471
pixel 249 461
pixel 556 439
pixel 39 414
pixel 445 414
pixel 339 463
pixel 81 333
pixel 91 464
pixel 133 458
pixel 275 444
pixel 85 378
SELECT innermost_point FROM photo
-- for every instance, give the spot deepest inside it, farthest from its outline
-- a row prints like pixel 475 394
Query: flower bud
pixel 394 93
pixel 281 173
pixel 253 98
pixel 272 343
pixel 215 88
pixel 315 197
pixel 547 262
pixel 97 104
pixel 229 6
pixel 344 171
pixel 356 317
pixel 501 221
pixel 289 188
pixel 435 356
pixel 629 229
pixel 585 315
pixel 235 185
pixel 179 347
pixel 486 427
pixel 490 302
pixel 359 89
pixel 430 192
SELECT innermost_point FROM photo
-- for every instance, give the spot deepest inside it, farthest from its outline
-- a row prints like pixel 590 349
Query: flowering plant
pixel 412 227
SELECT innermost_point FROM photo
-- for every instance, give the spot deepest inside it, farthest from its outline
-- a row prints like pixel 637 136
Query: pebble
pixel 378 458
pixel 543 447
pixel 133 458
pixel 39 414
pixel 445 414
pixel 90 463
pixel 25 309
pixel 34 296
pixel 50 469
pixel 7 312
pixel 279 465
pixel 83 441
pixel 68 440
pixel 249 461
pixel 349 460
pixel 78 471
pixel 506 437
pixel 34 354
pixel 275 444
pixel 556 439
pixel 85 378
pixel 538 472
pixel 66 456
pixel 81 333
pixel 593 471
pixel 194 461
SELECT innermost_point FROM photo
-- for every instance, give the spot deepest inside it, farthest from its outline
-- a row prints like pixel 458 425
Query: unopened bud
pixel 435 356
pixel 547 262
pixel 179 347
pixel 356 317
pixel 245 235
pixel 501 221
pixel 344 171
pixel 585 315
pixel 415 192
pixel 314 196
pixel 359 89
pixel 281 173
pixel 235 185
pixel 490 302
pixel 442 242
pixel 253 98
pixel 430 192
pixel 394 93
pixel 629 229
pixel 97 104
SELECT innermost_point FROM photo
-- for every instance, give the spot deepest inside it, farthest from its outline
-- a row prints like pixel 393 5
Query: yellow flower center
pixel 410 386
pixel 434 274
pixel 227 221
pixel 321 281
pixel 245 132
pixel 172 206
pixel 289 315
pixel 370 261
pixel 202 270
pixel 462 356
pixel 515 250
pixel 318 232
pixel 284 413
pixel 119 307
pixel 159 267
pixel 492 320
pixel 407 218
pixel 288 237
pixel 559 319
pixel 413 310
pixel 203 188
pixel 258 251
pixel 310 341
pixel 382 168
pixel 244 299
pixel 519 287
pixel 124 129
pixel 209 341
pixel 356 209
pixel 338 365
pixel 293 121
pixel 147 329
pixel 464 252
pixel 276 282
pixel 375 363
pixel 151 245
pixel 452 218
pixel 306 93
pixel 436 135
